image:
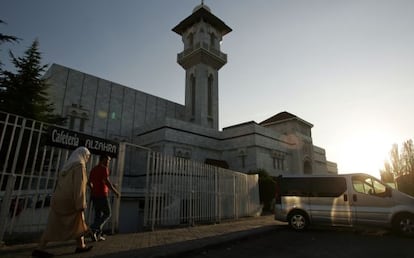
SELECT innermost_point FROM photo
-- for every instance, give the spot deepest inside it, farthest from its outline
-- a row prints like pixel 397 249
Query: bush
pixel 266 189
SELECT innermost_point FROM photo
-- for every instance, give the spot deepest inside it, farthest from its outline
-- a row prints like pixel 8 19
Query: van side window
pixel 313 187
pixel 328 187
pixel 368 185
pixel 295 187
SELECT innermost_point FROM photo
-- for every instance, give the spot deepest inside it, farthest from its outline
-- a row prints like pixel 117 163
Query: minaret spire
pixel 201 33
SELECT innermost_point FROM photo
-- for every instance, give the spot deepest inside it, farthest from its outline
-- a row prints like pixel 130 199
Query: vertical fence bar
pixel 203 187
pixel 157 199
pixel 13 170
pixel 154 190
pixel 180 189
pixel 217 191
pixel 147 190
pixel 195 191
pixel 120 175
pixel 166 190
pixel 175 192
pixel 32 172
pixel 19 143
pixel 162 185
pixel 10 147
pixel 5 125
pixel 151 190
pixel 185 196
pixel 211 195
pixel 4 212
pixel 190 191
pixel 6 122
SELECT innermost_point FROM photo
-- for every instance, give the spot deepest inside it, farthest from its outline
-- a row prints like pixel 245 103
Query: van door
pixel 329 201
pixel 371 200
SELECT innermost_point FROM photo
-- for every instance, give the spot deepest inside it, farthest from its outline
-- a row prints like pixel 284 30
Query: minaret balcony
pixel 202 53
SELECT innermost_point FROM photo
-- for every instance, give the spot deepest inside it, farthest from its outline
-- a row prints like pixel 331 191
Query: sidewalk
pixel 159 243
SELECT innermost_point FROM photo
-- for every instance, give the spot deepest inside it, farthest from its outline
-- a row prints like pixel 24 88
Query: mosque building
pixel 280 145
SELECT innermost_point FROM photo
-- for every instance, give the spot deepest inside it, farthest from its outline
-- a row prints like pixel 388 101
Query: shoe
pixel 83 249
pixel 101 238
pixel 94 236
pixel 41 254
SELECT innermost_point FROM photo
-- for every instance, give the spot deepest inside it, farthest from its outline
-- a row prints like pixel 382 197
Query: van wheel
pixel 298 221
pixel 404 225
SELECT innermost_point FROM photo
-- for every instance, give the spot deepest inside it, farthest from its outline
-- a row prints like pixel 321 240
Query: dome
pixel 202 5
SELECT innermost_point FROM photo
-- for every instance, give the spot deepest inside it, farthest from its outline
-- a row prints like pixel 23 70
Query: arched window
pixel 82 122
pixel 213 40
pixel 210 96
pixel 190 40
pixel 193 95
pixel 307 167
pixel 72 119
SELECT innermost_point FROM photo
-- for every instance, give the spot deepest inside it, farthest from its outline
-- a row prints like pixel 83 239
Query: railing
pixel 181 191
pixel 205 46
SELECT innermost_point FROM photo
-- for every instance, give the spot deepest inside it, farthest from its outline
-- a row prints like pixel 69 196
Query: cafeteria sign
pixel 60 137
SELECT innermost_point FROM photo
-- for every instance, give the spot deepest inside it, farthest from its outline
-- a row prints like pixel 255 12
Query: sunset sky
pixel 347 67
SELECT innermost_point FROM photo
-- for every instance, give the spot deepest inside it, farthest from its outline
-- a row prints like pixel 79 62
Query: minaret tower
pixel 201 34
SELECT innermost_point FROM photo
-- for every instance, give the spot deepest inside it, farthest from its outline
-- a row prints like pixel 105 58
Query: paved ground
pixel 317 242
pixel 159 243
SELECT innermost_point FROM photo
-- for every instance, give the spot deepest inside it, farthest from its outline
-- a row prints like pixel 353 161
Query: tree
pixel 6 38
pixel 386 174
pixel 267 188
pixel 407 157
pixel 401 167
pixel 401 161
pixel 25 92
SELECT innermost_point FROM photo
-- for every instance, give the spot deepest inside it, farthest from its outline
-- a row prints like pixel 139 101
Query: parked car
pixel 342 200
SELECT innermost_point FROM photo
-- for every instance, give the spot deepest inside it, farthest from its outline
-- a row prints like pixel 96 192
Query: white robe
pixel 66 217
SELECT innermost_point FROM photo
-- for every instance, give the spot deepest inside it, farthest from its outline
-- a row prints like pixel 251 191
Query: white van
pixel 342 200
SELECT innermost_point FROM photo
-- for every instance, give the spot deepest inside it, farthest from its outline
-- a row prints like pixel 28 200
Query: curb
pixel 214 242
pixel 160 244
pixel 181 249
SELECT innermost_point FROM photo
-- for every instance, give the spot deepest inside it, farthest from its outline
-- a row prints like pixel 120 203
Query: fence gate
pixel 28 173
pixel 178 191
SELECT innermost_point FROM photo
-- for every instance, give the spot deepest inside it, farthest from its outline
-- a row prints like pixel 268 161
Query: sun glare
pixel 364 153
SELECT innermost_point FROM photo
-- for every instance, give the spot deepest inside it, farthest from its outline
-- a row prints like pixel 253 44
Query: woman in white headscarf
pixel 66 216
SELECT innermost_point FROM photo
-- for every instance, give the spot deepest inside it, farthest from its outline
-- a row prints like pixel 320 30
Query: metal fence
pixel 173 190
pixel 28 173
pixel 180 191
pixel 176 191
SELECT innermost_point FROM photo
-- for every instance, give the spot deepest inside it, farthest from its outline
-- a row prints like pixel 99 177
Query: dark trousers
pixel 102 210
